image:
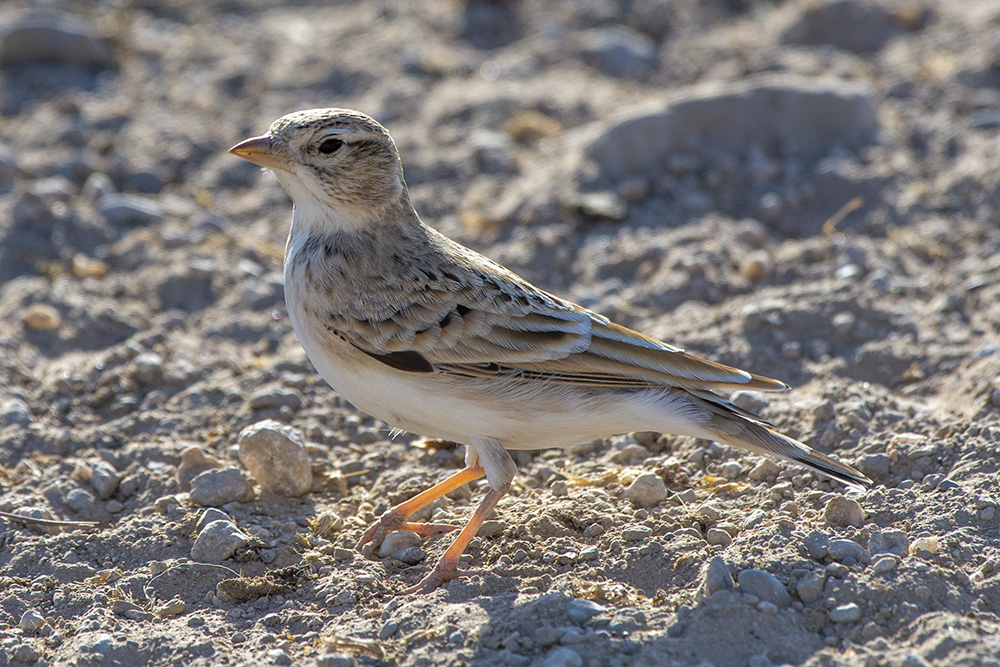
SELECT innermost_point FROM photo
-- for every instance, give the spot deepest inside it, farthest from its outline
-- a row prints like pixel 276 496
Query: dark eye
pixel 330 146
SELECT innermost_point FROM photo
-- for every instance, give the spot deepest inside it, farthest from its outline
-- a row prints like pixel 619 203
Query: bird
pixel 436 339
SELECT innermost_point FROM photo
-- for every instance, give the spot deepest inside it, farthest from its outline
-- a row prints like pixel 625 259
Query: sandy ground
pixel 804 189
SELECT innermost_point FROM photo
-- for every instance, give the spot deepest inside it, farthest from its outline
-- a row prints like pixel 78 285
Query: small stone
pixel 49 36
pixel 82 502
pixel 636 533
pixel 647 490
pixel 765 586
pixel 716 577
pixel 189 287
pixel 755 518
pixel 841 511
pixel 25 653
pixel 765 470
pixel 41 317
pixel 31 621
pixel 717 536
pixel 388 629
pixel 410 555
pixel 817 545
pixel 581 611
pixel 885 563
pixel 396 541
pixel 220 486
pixel 619 51
pixel 892 541
pixel 708 513
pixel 276 398
pixel 563 657
pixel 845 613
pixel 756 266
pixel 810 587
pixel 15 412
pixel 218 541
pixel 209 515
pixel 336 660
pixel 841 550
pixel 194 461
pixel 104 479
pixel 276 456
pixel 875 466
pixel 122 210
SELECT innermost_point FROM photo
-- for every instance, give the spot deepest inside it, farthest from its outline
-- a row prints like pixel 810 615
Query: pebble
pixel 124 210
pixel 25 653
pixel 563 657
pixel 31 621
pixel 147 369
pixel 209 515
pixel 276 398
pixel 810 586
pixel 717 536
pixel 874 465
pixel 388 629
pixel 82 502
pixel 220 486
pixel 841 550
pixel 647 490
pixel 581 611
pixel 845 613
pixel 841 511
pixel 636 533
pixel 15 412
pixel 892 541
pixel 276 456
pixel 41 317
pixel 397 541
pixel 188 288
pixel 885 563
pixel 411 555
pixel 755 518
pixel 765 586
pixel 336 660
pixel 104 479
pixel 194 461
pixel 218 541
pixel 619 51
pixel 717 577
pixel 709 513
pixel 803 116
pixel 856 26
pixel 48 36
pixel 817 545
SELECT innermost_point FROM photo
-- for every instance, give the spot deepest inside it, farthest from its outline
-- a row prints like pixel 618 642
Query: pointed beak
pixel 258 151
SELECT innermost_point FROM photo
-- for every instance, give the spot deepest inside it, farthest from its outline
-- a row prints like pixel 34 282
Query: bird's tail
pixel 742 431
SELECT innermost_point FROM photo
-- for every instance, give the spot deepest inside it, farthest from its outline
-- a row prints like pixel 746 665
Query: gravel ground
pixel 805 189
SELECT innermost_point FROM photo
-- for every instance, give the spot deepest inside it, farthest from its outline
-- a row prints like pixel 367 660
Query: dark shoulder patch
pixel 409 361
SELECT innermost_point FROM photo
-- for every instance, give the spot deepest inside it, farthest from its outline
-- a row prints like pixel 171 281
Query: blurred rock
pixel 276 456
pixel 122 210
pixel 104 479
pixel 47 36
pixel 189 288
pixel 716 577
pixel 890 541
pixel 841 511
pixel 792 115
pixel 619 51
pixel 41 317
pixel 858 26
pixel 15 411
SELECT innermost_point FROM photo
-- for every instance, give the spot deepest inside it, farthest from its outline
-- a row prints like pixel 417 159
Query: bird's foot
pixel 445 570
pixel 392 521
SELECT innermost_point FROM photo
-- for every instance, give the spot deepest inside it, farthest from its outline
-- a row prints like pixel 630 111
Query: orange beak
pixel 258 151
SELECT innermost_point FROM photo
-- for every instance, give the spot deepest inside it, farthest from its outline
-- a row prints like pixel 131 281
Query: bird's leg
pixel 395 519
pixel 447 566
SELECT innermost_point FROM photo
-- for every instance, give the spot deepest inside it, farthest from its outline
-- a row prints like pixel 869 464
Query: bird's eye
pixel 330 146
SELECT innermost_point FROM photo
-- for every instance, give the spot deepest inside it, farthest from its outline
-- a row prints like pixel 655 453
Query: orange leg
pixel 447 565
pixel 395 519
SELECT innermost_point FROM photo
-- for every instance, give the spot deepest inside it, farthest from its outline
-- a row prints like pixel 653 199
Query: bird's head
pixel 334 163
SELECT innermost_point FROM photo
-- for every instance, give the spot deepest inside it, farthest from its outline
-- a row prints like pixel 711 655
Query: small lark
pixel 433 338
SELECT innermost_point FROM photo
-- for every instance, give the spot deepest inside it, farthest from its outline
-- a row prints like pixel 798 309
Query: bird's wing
pixel 500 325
